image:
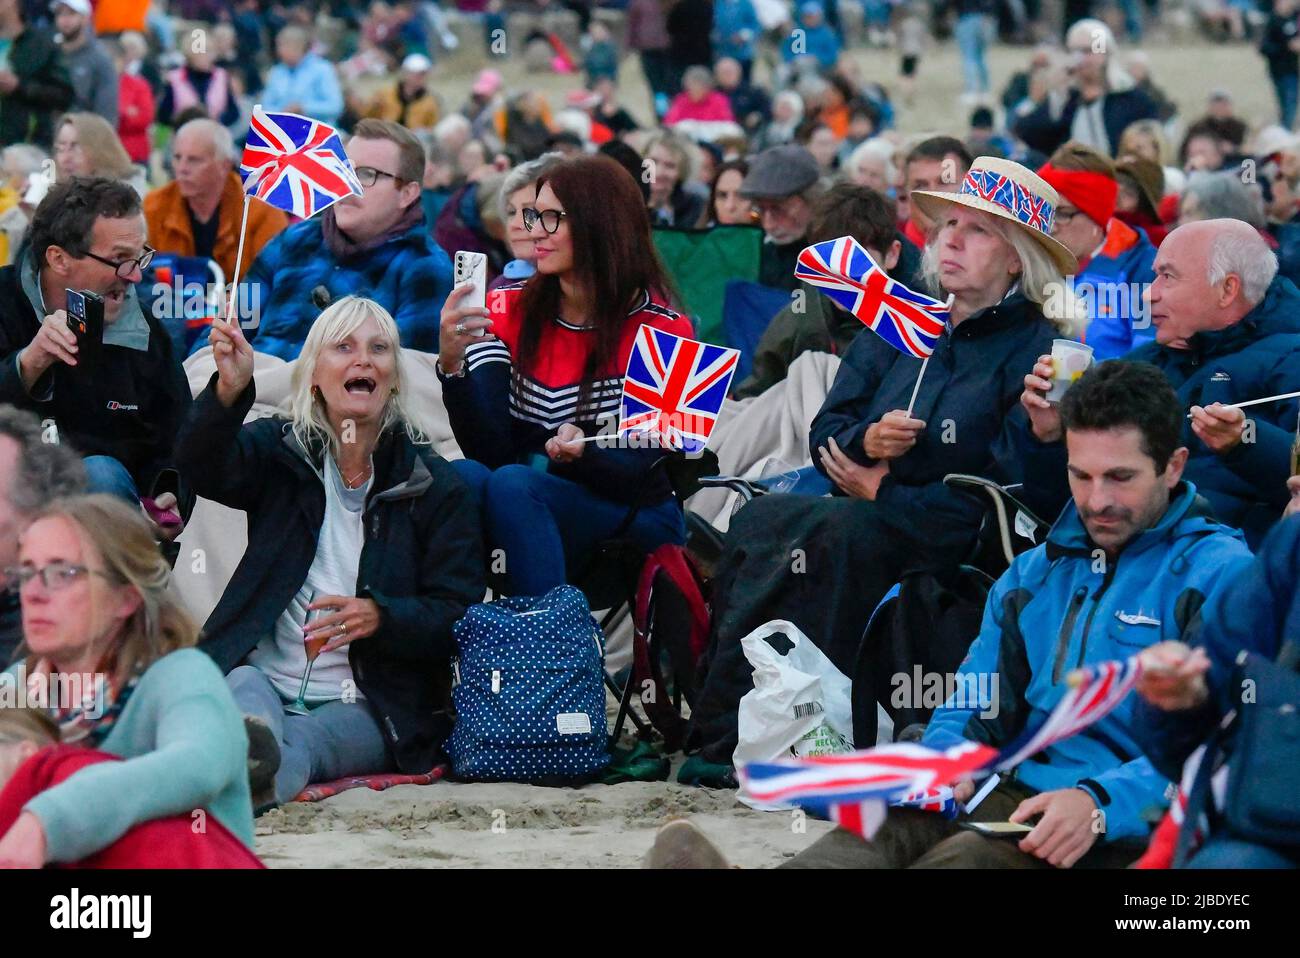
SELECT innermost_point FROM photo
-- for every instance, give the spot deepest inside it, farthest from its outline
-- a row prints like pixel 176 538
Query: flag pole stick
pixel 239 255
pixel 1256 402
pixel 239 261
pixel 925 362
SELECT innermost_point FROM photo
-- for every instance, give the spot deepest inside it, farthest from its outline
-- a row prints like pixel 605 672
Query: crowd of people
pixel 388 441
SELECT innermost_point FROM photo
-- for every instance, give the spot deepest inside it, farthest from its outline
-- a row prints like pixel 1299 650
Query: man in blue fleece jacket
pixel 1129 562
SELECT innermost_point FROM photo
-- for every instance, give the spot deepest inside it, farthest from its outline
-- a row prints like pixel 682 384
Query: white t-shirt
pixel 283 655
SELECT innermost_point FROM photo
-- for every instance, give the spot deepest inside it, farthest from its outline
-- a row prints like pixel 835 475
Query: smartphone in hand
pixel 86 320
pixel 472 268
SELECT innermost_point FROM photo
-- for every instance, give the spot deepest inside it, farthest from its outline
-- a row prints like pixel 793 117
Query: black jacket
pixel 128 407
pixel 1042 132
pixel 421 561
pixel 969 394
pixel 44 90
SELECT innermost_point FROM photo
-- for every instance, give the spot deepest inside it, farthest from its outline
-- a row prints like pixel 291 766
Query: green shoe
pixel 696 771
pixel 641 763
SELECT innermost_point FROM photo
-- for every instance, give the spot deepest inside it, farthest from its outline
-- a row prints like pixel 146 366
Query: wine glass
pixel 314 645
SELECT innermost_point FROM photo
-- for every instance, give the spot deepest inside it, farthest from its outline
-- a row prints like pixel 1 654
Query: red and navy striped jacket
pixel 498 425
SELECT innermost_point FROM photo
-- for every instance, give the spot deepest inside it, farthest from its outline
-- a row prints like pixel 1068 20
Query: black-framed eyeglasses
pixel 369 176
pixel 550 219
pixel 125 267
pixel 54 576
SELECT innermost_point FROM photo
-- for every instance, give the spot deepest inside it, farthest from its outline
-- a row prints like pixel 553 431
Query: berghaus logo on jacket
pixel 115 406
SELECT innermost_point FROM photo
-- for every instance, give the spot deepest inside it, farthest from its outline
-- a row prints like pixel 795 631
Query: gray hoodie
pixel 94 80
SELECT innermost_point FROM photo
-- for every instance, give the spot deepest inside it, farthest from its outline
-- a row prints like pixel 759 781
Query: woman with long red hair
pixel 525 379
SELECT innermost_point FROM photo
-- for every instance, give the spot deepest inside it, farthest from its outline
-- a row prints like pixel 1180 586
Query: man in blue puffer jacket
pixel 1227 331
pixel 377 245
pixel 1129 562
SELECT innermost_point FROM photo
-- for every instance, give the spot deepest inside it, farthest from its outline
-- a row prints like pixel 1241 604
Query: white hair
pixel 878 149
pixel 1246 256
pixel 25 156
pixel 452 122
pixel 223 144
pixel 796 104
pixel 525 174
pixel 1118 79
pixel 1224 196
pixel 336 323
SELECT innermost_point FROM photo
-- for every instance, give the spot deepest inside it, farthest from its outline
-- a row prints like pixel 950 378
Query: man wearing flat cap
pixel 782 183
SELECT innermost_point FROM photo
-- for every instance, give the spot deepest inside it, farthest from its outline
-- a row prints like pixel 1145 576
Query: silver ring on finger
pixel 461 329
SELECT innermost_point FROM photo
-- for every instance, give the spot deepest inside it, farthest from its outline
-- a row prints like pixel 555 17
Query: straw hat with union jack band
pixel 1011 192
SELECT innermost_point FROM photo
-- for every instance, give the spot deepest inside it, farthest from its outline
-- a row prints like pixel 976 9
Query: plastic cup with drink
pixel 1070 360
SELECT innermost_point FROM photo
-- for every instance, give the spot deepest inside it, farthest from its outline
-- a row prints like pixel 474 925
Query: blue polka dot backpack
pixel 528 687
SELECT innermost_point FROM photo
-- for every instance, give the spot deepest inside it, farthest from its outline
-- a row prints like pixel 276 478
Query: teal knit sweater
pixel 185 749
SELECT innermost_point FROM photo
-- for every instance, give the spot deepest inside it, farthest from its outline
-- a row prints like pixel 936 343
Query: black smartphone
pixel 86 320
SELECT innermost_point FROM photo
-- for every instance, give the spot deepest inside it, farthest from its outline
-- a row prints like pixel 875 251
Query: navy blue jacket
pixel 1257 612
pixel 1058 608
pixel 1043 132
pixel 971 387
pixel 1258 357
pixel 409 276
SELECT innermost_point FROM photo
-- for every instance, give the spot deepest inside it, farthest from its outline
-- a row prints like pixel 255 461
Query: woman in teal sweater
pixel 97 617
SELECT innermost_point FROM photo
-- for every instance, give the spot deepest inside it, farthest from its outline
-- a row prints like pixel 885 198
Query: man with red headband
pixel 1114 258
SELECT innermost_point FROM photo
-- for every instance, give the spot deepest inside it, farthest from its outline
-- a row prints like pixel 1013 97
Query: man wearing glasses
pixel 783 183
pixel 118 402
pixel 376 244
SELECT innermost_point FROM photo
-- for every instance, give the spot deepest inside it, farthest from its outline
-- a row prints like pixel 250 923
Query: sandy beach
pixel 449 825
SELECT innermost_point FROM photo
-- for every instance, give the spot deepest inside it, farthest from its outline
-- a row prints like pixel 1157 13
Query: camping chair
pixel 613 572
pixel 1007 529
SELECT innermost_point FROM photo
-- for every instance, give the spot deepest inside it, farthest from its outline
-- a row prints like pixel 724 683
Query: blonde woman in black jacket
pixel 353 519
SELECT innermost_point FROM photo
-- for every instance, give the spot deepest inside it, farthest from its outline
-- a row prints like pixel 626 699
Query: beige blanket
pixel 766 430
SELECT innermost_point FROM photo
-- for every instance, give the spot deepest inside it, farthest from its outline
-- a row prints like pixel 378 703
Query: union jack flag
pixel 674 388
pixel 296 164
pixel 888 772
pixel 907 320
pixel 991 186
pixel 853 789
pixel 938 799
pixel 1095 692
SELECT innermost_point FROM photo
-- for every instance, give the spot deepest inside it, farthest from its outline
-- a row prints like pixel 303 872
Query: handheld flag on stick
pixel 294 163
pixel 853 789
pixel 674 388
pixel 875 775
pixel 1094 692
pixel 909 321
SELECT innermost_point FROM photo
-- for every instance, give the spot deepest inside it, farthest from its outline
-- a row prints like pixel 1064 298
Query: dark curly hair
pixel 1117 394
pixel 66 217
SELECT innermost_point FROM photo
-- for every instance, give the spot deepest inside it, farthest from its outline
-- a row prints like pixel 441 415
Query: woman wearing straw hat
pixel 824 564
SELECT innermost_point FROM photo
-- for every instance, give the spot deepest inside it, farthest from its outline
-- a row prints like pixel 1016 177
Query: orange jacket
pixel 169 225
pixel 419 114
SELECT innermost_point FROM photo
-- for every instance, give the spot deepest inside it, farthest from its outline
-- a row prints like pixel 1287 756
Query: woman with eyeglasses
pixel 526 379
pixel 363 551
pixel 110 652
